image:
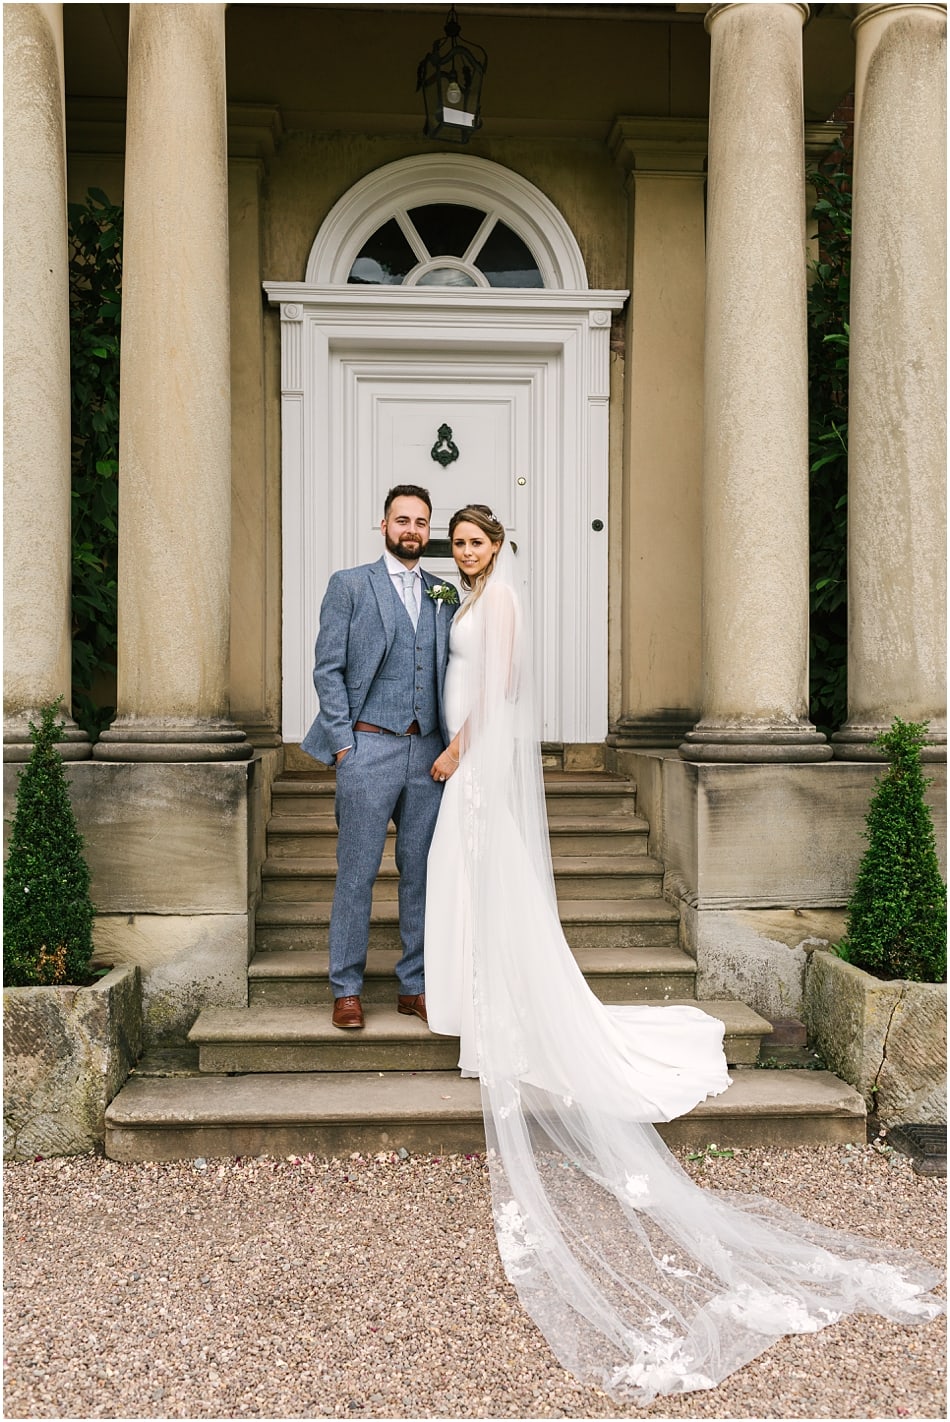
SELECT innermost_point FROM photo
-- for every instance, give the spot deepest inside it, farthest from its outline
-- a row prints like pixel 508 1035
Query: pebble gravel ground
pixel 371 1287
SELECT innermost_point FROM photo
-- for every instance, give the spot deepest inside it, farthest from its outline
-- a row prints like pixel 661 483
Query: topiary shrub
pixel 897 916
pixel 47 911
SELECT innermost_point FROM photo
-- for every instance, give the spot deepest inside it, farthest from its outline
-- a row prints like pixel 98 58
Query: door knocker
pixel 444 451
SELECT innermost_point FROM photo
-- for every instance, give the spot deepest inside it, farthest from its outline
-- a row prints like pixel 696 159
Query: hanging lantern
pixel 450 78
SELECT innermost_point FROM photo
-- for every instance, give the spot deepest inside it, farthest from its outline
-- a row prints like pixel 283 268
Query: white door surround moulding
pixel 446 178
pixel 460 302
pixel 325 321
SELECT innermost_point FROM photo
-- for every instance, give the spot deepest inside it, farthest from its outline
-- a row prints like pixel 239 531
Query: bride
pixel 641 1281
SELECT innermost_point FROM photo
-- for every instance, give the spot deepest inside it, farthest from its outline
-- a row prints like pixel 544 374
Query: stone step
pixel 568 793
pixel 587 923
pixel 288 978
pixel 314 836
pixel 301 1038
pixel 576 876
pixel 181 1118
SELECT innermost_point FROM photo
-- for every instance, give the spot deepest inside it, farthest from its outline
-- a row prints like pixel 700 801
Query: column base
pixel 18 744
pixel 162 742
pixel 856 742
pixel 261 734
pixel 664 729
pixel 756 744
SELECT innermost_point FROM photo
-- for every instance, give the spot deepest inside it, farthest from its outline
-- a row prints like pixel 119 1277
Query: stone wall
pixel 888 1039
pixel 762 860
pixel 174 853
pixel 66 1052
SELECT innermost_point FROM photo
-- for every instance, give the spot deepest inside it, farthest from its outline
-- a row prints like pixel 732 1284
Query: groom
pixel 381 654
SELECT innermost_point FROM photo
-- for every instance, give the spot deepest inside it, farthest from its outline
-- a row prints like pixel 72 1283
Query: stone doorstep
pixel 433 1112
pixel 310 835
pixel 587 923
pixel 167 1061
pixel 572 793
pixel 788 1044
pixel 303 1039
pixel 556 782
pixel 570 865
pixel 299 976
pixel 608 911
pixel 584 876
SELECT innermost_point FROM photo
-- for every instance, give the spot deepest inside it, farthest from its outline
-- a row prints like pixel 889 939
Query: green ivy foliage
pixel 47 911
pixel 95 276
pixel 828 335
pixel 897 917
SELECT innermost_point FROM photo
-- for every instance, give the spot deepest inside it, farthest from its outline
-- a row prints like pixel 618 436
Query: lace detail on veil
pixel 641 1281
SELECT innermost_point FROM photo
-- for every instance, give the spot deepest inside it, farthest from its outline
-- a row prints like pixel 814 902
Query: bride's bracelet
pixel 451 756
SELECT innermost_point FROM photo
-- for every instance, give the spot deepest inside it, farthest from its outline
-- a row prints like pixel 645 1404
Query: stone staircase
pixel 277 1077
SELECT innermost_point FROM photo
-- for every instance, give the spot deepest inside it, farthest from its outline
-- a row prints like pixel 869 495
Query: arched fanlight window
pixel 445 244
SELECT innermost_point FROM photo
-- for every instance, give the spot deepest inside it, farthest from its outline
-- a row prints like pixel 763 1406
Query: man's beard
pixel 402 553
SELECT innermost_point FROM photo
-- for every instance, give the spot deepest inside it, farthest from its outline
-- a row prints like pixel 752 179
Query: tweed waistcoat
pixel 404 689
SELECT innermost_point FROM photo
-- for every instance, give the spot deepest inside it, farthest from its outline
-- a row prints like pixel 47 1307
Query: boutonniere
pixel 443 592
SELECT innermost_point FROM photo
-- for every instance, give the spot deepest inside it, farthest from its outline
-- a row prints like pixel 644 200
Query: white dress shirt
pixel 396 569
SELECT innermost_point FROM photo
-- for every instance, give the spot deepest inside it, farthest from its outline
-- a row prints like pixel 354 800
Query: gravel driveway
pixel 372 1288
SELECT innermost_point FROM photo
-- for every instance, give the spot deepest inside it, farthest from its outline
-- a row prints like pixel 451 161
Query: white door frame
pixel 565 323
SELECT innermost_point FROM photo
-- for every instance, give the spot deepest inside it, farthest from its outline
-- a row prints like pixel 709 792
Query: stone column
pixel 37 555
pixel 897 511
pixel 755 467
pixel 663 455
pixel 175 412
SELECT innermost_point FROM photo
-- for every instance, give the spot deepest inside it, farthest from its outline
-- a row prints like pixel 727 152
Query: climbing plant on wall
pixel 828 298
pixel 95 274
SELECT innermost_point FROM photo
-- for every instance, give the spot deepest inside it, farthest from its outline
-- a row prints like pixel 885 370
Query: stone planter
pixel 66 1052
pixel 888 1039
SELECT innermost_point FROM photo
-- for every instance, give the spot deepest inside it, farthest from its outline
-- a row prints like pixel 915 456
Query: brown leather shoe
pixel 347 1012
pixel 410 1005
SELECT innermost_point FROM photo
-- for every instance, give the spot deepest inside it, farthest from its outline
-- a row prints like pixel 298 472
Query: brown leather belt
pixel 412 730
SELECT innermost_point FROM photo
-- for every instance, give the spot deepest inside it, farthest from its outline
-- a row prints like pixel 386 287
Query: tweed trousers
pixel 382 778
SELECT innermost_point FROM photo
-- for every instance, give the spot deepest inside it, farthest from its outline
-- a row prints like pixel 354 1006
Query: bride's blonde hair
pixel 482 517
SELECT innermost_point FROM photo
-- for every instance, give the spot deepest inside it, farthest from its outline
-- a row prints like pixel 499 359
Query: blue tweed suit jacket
pixel 357 627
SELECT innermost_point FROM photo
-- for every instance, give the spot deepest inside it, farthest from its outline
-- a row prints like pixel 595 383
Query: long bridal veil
pixel 641 1281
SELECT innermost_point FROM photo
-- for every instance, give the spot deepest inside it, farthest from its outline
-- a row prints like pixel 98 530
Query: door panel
pixel 398 419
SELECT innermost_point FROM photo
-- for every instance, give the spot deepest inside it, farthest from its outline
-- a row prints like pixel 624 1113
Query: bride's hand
pixel 445 767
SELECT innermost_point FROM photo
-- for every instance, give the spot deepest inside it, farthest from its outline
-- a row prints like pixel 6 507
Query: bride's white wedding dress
pixel 641 1281
pixel 663 1059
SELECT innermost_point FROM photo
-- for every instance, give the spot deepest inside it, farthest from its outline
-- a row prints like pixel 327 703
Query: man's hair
pixel 407 491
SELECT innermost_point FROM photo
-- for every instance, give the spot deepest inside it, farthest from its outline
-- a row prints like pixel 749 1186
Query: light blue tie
pixel 409 594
